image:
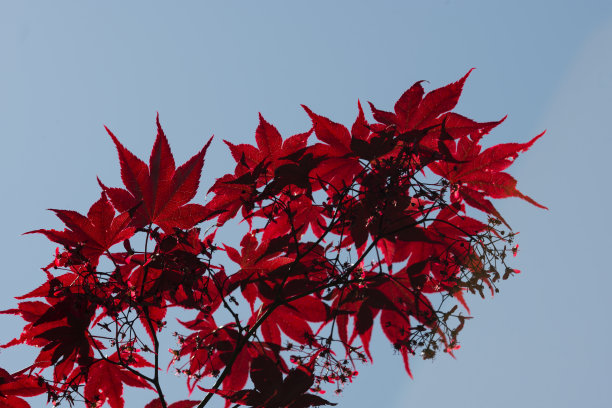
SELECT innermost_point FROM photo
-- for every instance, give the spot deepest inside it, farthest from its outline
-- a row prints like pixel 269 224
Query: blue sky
pixel 210 67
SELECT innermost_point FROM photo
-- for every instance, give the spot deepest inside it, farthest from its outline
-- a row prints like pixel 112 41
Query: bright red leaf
pixel 158 193
pixel 93 234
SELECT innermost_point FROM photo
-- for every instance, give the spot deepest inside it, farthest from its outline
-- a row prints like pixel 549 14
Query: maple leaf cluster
pixel 348 230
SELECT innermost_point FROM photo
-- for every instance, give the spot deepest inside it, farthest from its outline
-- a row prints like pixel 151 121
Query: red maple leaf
pixel 156 403
pixel 272 390
pixel 255 167
pixel 158 193
pixel 106 378
pixel 413 111
pixel 293 320
pixel 17 385
pixel 340 165
pixel 479 174
pixel 255 264
pixel 270 148
pixel 93 234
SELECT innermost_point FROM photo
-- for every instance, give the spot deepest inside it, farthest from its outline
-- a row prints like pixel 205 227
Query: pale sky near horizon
pixel 210 67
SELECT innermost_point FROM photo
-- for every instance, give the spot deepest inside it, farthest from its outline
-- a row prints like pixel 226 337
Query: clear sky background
pixel 209 67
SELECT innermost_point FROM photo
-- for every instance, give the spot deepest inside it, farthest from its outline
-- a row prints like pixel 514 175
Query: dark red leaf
pixel 156 403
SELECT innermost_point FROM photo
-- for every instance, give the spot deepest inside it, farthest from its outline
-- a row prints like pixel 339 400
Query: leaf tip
pixel 205 148
pixel 102 186
pixel 159 128
pixel 308 110
pixel 115 140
